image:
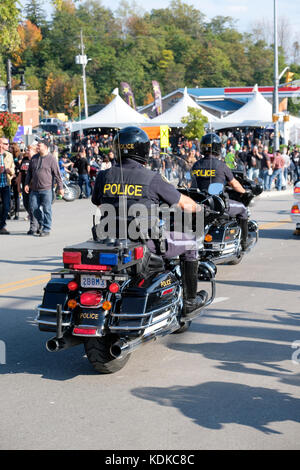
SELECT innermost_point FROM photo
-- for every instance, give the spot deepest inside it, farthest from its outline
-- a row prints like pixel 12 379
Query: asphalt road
pixel 228 383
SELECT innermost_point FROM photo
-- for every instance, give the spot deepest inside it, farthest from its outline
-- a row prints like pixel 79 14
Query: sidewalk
pixel 274 193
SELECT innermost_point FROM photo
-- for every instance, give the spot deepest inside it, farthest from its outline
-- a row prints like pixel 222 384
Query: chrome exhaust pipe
pixel 65 342
pixel 122 348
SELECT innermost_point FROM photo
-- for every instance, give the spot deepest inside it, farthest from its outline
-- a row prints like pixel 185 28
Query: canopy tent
pixel 117 114
pixel 292 130
pixel 172 117
pixel 257 112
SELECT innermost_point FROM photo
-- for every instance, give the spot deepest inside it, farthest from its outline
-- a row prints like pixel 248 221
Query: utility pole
pixel 276 83
pixel 8 87
pixel 83 60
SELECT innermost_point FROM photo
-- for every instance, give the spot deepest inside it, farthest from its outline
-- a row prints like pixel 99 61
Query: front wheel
pixel 69 194
pixel 184 326
pixel 98 353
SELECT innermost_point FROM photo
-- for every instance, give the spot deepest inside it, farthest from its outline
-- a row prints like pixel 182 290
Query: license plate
pixel 90 280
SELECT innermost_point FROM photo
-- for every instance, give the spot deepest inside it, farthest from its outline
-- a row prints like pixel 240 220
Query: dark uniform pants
pixel 237 209
pixel 178 244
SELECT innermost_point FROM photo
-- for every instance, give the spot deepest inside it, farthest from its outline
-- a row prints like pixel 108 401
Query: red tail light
pixel 71 257
pixel 295 210
pixel 91 298
pixel 72 285
pixel 114 287
pixel 92 267
pixel 85 331
pixel 297 190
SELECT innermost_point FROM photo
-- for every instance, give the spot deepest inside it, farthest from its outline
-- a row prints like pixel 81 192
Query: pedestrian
pixel 83 168
pixel 43 170
pixel 266 169
pixel 15 182
pixel 277 166
pixel 7 171
pixel 24 166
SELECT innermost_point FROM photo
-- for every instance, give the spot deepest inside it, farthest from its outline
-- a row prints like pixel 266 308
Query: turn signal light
pixel 208 238
pixel 295 210
pixel 297 190
pixel 72 304
pixel 114 287
pixel 91 298
pixel 106 305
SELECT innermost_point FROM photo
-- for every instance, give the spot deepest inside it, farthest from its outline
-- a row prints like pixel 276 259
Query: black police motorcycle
pixel 223 234
pixel 114 295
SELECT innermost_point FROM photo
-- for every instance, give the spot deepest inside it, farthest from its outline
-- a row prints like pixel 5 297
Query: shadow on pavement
pixel 214 404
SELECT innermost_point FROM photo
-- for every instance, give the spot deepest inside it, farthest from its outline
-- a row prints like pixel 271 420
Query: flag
pixel 157 98
pixel 75 102
pixel 128 94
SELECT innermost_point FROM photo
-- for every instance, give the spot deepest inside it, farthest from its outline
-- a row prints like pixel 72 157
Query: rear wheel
pixel 98 353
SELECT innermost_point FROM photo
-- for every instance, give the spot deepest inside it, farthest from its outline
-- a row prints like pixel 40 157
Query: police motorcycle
pixel 295 209
pixel 113 295
pixel 223 234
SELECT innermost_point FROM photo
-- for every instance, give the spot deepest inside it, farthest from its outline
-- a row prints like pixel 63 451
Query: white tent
pixel 172 117
pixel 292 130
pixel 117 114
pixel 257 112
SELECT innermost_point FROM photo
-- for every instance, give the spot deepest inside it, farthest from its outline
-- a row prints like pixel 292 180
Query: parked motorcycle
pixel 222 242
pixel 113 296
pixel 295 210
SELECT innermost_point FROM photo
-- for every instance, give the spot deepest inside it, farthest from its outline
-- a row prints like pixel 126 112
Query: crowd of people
pixel 27 175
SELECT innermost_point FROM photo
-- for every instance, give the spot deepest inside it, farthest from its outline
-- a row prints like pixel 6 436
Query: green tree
pixel 10 15
pixel 195 124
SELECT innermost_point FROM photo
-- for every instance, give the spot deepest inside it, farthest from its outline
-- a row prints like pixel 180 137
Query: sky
pixel 246 12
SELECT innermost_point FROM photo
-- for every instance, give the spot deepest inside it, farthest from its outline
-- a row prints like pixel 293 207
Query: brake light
pixel 72 285
pixel 295 210
pixel 297 190
pixel 138 252
pixel 91 298
pixel 114 287
pixel 85 331
pixel 71 257
pixel 92 267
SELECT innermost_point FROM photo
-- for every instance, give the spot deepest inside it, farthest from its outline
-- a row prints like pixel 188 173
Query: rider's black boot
pixel 192 300
pixel 245 242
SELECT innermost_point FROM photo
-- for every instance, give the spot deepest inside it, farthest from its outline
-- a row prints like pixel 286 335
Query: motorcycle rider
pixel 211 169
pixel 144 186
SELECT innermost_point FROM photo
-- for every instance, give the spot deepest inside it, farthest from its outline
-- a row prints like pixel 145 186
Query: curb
pixel 274 193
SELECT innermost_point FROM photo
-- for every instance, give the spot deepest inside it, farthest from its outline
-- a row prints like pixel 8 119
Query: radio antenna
pixel 122 199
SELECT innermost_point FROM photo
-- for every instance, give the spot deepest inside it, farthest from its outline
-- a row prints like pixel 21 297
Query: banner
pixel 157 98
pixel 129 97
pixel 164 137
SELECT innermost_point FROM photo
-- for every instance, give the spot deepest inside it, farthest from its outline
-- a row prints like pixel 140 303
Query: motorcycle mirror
pixel 215 189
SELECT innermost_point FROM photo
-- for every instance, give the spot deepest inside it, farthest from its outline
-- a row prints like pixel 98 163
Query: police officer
pixel 212 170
pixel 140 185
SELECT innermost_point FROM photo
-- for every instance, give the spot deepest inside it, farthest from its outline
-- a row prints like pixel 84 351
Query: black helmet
pixel 211 144
pixel 132 142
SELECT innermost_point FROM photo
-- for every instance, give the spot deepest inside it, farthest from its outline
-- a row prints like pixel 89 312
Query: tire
pixel 69 194
pixel 236 260
pixel 98 353
pixel 184 327
pixel 76 189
